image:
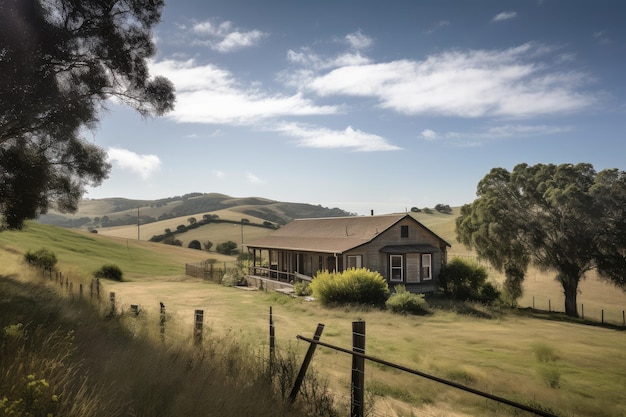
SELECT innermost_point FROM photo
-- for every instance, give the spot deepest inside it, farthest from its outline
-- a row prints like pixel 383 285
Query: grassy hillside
pixel 81 253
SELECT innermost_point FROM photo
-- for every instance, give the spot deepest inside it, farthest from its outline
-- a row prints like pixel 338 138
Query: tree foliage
pixel 226 248
pixel 60 62
pixel 563 218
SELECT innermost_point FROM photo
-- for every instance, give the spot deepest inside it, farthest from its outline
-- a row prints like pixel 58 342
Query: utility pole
pixel 138 238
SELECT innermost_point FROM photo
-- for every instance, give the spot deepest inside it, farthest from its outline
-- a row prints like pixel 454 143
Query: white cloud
pixel 208 94
pixel 504 16
pixel 429 134
pixel 254 179
pixel 501 132
pixel 223 38
pixel 144 165
pixel 473 83
pixel 358 40
pixel 320 137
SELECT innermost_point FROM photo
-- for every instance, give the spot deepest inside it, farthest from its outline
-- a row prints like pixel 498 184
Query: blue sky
pixel 371 105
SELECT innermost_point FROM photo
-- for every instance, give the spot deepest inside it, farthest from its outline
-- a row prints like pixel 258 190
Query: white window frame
pixel 358 261
pixel 392 268
pixel 426 267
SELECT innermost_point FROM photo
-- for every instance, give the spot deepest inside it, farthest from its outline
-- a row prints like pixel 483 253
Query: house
pixel 400 248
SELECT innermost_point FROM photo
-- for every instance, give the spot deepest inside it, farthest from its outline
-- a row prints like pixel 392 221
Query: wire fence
pixel 338 362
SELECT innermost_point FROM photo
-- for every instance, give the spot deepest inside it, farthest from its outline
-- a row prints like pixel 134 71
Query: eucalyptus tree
pixel 566 218
pixel 60 62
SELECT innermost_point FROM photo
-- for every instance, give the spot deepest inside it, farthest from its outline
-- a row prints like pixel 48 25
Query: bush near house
pixel 405 302
pixel 352 286
pixel 467 280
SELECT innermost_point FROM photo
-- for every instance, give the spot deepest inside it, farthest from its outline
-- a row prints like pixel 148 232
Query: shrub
pixel 466 280
pixel 302 289
pixel 405 302
pixel 359 286
pixel 170 240
pixel 109 271
pixel 195 244
pixel 226 248
pixel 43 258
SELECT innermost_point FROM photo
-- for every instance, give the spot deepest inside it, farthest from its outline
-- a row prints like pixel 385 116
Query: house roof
pixel 331 234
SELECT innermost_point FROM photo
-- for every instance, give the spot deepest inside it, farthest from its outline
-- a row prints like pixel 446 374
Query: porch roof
pixel 307 244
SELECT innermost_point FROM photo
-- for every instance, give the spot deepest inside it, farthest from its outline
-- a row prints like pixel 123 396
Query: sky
pixel 371 105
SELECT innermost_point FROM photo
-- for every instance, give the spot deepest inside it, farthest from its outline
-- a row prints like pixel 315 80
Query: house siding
pixel 376 260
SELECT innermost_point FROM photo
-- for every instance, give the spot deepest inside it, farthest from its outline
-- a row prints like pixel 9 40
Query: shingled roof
pixel 331 234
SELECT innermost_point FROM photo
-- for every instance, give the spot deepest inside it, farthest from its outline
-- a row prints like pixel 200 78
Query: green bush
pixel 302 289
pixel 405 302
pixel 110 271
pixel 358 286
pixel 467 280
pixel 226 248
pixel 195 244
pixel 43 258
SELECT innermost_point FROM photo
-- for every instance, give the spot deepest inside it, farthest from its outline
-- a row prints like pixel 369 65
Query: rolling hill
pixel 112 212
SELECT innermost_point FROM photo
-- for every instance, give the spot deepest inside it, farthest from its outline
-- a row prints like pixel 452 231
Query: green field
pixel 500 353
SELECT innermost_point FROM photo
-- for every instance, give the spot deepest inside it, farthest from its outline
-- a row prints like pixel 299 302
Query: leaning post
pixel 306 363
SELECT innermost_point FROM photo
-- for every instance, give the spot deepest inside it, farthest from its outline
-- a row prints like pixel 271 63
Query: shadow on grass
pixel 562 317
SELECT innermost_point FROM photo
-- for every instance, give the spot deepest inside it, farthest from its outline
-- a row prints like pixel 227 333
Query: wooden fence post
pixel 305 363
pixel 358 369
pixel 98 288
pixel 112 298
pixel 272 344
pixel 80 290
pixel 197 330
pixel 162 319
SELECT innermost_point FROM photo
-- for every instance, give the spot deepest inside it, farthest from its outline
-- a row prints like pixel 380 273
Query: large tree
pixel 60 62
pixel 562 218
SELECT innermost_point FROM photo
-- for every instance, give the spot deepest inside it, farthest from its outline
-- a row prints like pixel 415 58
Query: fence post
pixel 305 363
pixel 602 316
pixel 197 330
pixel 98 288
pixel 623 319
pixel 162 321
pixel 272 342
pixel 533 302
pixel 358 368
pixel 80 290
pixel 112 298
pixel 582 306
pixel 549 306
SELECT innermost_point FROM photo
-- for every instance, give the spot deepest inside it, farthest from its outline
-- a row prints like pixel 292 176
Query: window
pixel 355 261
pixel 404 231
pixel 426 266
pixel 395 266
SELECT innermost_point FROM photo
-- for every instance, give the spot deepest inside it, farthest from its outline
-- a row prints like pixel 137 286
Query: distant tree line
pixel 441 208
pixel 206 219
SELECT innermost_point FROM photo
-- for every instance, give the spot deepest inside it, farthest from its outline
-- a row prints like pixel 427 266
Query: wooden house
pixel 400 248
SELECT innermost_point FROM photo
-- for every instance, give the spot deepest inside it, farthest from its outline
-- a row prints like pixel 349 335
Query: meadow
pixel 569 368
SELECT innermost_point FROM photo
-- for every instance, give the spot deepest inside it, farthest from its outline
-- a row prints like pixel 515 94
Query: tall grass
pixel 61 357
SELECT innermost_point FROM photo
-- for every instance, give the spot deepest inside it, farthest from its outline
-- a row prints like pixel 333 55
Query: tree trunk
pixel 570 290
